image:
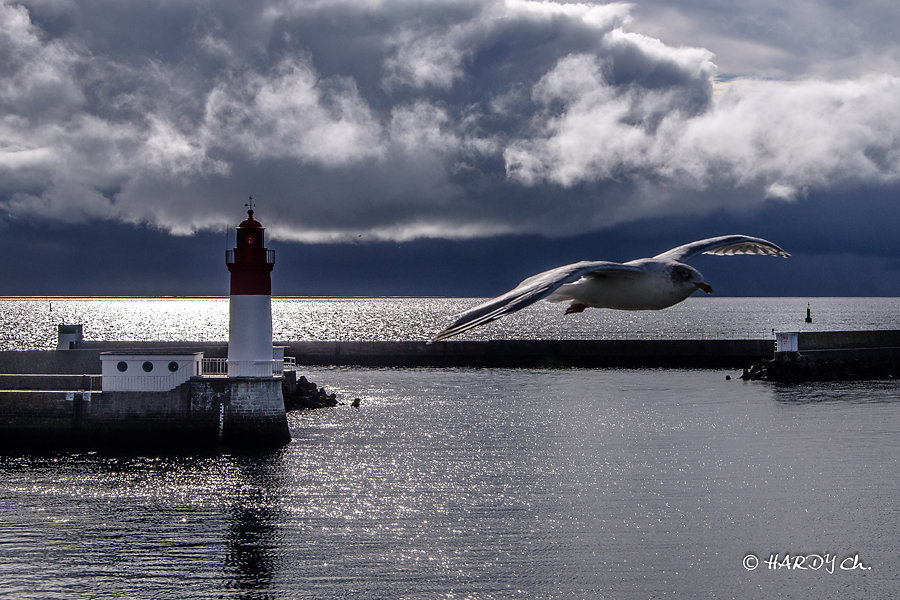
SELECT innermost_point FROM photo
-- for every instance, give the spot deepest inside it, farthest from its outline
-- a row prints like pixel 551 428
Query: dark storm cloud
pixel 398 120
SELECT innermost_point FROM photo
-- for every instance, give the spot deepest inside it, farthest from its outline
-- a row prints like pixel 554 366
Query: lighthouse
pixel 253 409
pixel 250 323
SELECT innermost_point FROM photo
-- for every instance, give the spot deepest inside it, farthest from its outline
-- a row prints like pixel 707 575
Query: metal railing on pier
pixel 218 367
pixel 212 367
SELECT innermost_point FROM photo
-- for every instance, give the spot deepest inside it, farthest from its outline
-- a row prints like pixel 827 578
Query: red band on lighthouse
pixel 250 263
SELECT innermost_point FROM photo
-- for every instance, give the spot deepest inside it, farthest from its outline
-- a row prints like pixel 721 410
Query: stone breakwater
pixel 692 353
pixel 805 369
pixel 700 353
pixel 830 356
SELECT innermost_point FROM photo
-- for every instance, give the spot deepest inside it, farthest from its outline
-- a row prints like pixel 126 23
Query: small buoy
pixel 355 403
pixel 808 313
pixel 728 378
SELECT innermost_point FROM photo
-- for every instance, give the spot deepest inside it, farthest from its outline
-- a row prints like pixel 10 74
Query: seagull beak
pixel 702 285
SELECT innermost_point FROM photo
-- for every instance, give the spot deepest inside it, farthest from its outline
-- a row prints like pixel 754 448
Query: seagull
pixel 640 284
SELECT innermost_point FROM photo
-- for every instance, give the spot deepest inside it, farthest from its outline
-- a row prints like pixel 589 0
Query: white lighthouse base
pixel 251 368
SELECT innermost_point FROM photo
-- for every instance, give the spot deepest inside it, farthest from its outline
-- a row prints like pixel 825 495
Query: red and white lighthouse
pixel 250 323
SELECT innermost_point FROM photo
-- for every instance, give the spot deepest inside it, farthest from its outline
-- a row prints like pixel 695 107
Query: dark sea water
pixel 485 483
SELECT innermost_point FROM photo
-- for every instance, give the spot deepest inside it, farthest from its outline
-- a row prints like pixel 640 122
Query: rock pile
pixel 302 393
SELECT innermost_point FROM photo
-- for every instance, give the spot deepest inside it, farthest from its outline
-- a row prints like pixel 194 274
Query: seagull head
pixel 685 275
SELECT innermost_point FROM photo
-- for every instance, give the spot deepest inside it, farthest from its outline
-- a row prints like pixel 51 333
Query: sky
pixel 445 147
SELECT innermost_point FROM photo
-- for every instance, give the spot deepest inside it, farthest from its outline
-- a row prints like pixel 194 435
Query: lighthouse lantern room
pixel 250 323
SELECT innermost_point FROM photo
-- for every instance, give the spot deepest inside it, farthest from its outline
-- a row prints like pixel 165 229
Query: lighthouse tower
pixel 250 325
pixel 254 410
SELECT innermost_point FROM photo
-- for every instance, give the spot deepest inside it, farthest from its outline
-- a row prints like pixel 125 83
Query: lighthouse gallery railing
pixel 229 256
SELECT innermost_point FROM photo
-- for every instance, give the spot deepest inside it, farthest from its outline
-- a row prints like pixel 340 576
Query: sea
pixel 479 483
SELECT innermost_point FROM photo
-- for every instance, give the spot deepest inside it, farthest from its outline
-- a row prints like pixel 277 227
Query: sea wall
pixel 202 412
pixel 246 410
pixel 699 353
pixel 50 419
pixel 533 353
pixel 25 414
pixel 800 368
pixel 48 381
pixel 849 344
pixel 55 362
pixel 85 359
pixel 711 353
pixel 831 356
pixel 141 411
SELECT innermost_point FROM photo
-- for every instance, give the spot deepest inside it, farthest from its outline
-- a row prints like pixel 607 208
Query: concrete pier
pixel 830 356
pixel 203 412
pixel 58 398
pixel 828 345
pixel 55 395
pixel 534 353
pixel 712 353
pixel 694 353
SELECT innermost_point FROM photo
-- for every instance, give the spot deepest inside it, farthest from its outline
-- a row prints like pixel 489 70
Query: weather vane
pixel 250 204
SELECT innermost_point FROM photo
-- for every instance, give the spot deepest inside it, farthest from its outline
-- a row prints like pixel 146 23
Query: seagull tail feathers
pixel 487 312
pixel 474 318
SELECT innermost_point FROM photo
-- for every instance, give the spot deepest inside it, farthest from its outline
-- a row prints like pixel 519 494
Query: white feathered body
pixel 654 288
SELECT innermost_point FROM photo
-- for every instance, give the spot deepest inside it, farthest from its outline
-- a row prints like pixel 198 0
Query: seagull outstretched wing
pixel 530 291
pixel 723 245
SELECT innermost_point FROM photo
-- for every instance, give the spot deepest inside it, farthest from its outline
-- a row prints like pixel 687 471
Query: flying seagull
pixel 640 284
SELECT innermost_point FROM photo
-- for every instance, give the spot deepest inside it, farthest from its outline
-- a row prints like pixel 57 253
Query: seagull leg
pixel 575 307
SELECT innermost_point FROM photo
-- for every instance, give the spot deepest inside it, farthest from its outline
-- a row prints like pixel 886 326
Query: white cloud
pixel 37 75
pixel 603 17
pixel 424 59
pixel 422 127
pixel 775 39
pixel 777 137
pixel 811 134
pixel 293 113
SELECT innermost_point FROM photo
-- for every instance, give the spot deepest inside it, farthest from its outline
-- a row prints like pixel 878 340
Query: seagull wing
pixel 723 245
pixel 530 291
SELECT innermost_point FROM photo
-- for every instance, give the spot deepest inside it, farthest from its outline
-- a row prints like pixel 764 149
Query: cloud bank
pixel 392 120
